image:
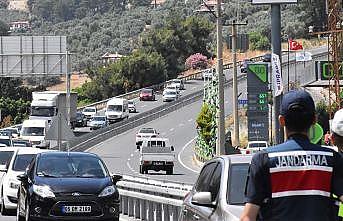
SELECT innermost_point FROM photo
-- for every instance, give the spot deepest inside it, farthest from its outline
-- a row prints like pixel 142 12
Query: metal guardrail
pixel 147 199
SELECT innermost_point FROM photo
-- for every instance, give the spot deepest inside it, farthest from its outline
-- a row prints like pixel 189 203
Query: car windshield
pixel 254 145
pixel 236 184
pixel 33 131
pixel 7 142
pixel 21 143
pixel 131 102
pixel 78 114
pixel 114 107
pixel 89 110
pixel 146 91
pixel 22 161
pixel 71 166
pixel 147 131
pixel 171 92
pixel 43 111
pixel 99 118
pixel 5 157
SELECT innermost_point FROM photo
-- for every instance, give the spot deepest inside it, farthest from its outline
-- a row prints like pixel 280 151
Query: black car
pixel 68 186
pixel 81 120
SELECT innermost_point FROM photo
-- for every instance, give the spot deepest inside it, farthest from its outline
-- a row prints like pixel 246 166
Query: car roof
pixel 31 150
pixel 64 153
pixel 237 158
pixel 8 149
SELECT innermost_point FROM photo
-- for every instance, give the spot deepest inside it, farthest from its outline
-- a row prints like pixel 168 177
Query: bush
pixel 196 61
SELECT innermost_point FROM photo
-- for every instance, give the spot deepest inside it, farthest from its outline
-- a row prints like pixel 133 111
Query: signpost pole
pixel 59 131
pixel 276 48
pixel 234 85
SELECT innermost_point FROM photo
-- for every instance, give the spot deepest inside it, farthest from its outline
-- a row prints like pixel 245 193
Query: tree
pixel 258 41
pixel 4 28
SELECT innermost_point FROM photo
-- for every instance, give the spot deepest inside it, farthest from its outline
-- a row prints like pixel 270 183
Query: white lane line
pixel 128 159
pixel 190 120
pixel 143 105
pixel 172 129
pixel 179 156
pixel 132 155
pixel 180 125
pixel 127 163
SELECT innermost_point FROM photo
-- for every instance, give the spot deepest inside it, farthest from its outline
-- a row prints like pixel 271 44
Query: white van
pixel 117 109
pixel 35 131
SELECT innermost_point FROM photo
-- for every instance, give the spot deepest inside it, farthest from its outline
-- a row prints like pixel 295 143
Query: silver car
pixel 218 194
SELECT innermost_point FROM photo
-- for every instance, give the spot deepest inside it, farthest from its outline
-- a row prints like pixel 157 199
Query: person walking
pixel 293 181
pixel 337 140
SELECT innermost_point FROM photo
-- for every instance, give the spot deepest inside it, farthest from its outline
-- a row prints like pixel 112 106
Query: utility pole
pixel 234 85
pixel 276 49
pixel 220 145
pixel 68 92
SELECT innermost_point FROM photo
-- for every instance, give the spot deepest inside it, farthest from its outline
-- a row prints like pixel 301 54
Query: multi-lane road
pixel 120 152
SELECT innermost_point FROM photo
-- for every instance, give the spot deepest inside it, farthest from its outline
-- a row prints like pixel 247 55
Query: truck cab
pixel 117 109
pixel 157 154
pixel 35 131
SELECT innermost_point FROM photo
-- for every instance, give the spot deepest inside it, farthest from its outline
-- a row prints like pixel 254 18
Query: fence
pixel 147 199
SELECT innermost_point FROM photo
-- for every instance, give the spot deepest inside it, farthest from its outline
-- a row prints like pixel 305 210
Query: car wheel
pixel 4 211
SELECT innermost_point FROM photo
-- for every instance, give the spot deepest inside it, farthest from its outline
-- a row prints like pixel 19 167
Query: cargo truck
pixel 47 104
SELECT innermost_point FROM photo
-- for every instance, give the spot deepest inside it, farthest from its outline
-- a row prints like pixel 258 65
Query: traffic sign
pixel 257 86
pixel 324 70
pixel 242 101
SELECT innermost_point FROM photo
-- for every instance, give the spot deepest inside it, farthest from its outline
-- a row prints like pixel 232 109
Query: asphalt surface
pixel 121 156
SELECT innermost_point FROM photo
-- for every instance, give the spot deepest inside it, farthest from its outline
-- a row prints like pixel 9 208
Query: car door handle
pixel 196 217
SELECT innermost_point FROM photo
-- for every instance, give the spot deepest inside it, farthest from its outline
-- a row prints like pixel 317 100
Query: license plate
pixel 76 209
pixel 157 163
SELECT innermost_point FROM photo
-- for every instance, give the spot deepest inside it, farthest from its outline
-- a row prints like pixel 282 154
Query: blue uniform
pixel 294 181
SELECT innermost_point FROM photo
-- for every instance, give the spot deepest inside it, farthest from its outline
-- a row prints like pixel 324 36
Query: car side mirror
pixel 116 178
pixel 23 177
pixel 203 199
pixel 172 148
pixel 3 168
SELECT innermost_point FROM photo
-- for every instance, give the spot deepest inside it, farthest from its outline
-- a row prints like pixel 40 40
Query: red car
pixel 147 95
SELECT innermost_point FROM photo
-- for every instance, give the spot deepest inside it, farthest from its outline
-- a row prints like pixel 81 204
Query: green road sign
pixel 325 72
pixel 260 70
pixel 315 133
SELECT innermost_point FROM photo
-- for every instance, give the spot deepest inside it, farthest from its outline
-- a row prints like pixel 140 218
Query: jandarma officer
pixel 293 181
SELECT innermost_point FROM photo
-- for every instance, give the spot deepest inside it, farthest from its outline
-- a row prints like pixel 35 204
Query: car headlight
pixel 14 184
pixel 43 191
pixel 107 191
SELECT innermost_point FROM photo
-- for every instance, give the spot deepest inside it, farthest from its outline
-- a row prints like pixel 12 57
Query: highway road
pixel 121 156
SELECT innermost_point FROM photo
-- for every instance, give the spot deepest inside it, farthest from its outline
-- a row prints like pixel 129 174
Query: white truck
pixel 117 109
pixel 47 104
pixel 35 131
pixel 156 154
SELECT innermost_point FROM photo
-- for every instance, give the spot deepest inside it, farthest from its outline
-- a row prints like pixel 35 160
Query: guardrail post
pixel 166 215
pixel 136 204
pixel 158 211
pixel 130 205
pixel 143 209
pixel 150 211
pixel 125 205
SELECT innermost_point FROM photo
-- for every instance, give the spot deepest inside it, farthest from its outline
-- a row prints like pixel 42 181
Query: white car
pixel 145 134
pixel 255 146
pixel 132 106
pixel 178 83
pixel 6 141
pixel 173 87
pixel 170 95
pixel 89 112
pixel 21 158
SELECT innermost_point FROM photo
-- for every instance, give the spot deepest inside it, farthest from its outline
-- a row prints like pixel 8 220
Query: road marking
pixel 171 129
pixel 128 159
pixel 127 163
pixel 132 155
pixel 226 102
pixel 190 120
pixel 143 105
pixel 179 156
pixel 180 125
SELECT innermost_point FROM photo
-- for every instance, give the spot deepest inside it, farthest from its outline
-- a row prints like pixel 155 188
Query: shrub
pixel 196 61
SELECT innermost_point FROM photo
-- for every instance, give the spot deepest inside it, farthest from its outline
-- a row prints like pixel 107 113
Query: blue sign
pixel 243 101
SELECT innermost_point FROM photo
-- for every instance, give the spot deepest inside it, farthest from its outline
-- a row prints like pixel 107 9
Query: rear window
pixel 22 161
pixel 147 131
pixel 236 184
pixel 156 143
pixel 5 157
pixel 7 142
